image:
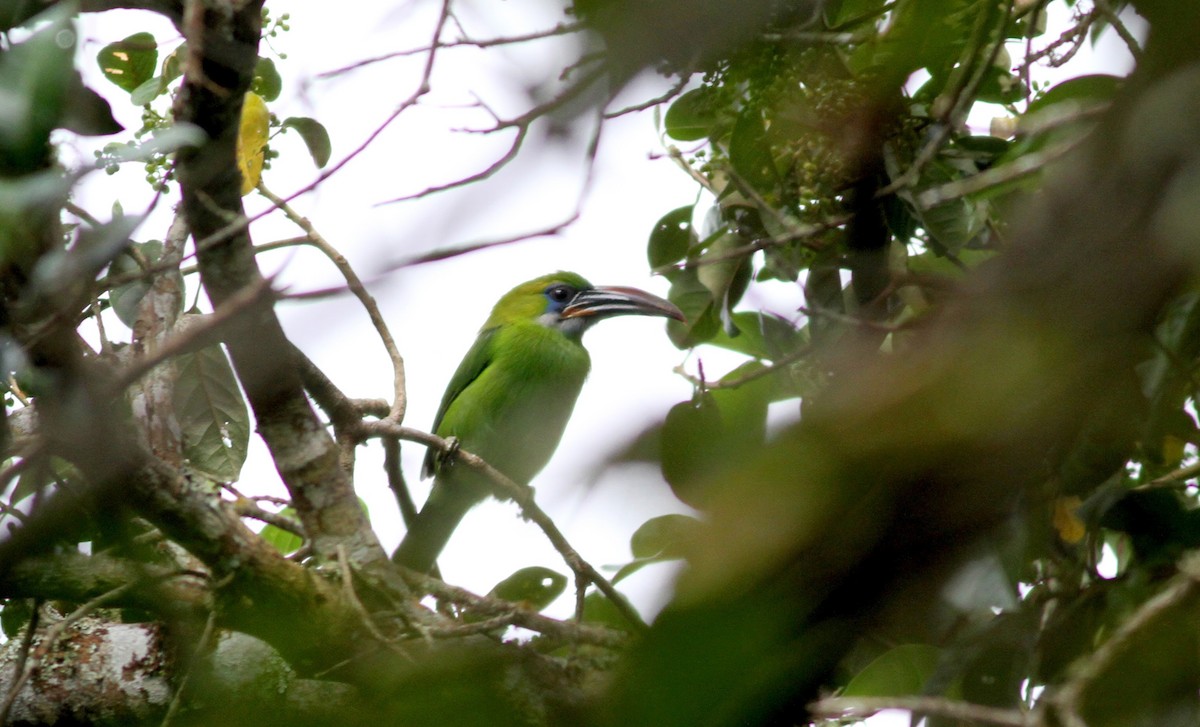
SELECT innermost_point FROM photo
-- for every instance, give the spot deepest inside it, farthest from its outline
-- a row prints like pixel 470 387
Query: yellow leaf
pixel 1172 450
pixel 1066 520
pixel 252 140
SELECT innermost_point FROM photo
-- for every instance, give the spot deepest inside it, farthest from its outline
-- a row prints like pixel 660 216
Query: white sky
pixel 435 310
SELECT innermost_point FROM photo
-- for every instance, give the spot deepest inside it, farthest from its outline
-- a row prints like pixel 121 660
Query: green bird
pixel 511 397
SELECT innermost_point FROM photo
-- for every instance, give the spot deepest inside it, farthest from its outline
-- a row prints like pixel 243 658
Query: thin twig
pixel 244 507
pixel 355 285
pixel 485 173
pixel 195 336
pixel 522 495
pixel 1106 9
pixel 241 222
pixel 560 29
pixel 956 111
pixel 1019 168
pixel 450 252
pixel 671 93
pixel 509 615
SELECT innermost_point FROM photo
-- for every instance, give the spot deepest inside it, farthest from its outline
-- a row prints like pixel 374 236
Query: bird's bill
pixel 602 302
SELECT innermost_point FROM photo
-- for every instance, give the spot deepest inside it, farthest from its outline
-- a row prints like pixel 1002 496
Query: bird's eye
pixel 559 293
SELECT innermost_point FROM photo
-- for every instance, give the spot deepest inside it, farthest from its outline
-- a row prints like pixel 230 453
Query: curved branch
pixel 522 495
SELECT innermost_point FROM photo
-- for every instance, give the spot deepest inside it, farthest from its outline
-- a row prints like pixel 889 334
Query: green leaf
pixel 172 66
pixel 87 113
pixel 1088 90
pixel 148 91
pixel 534 587
pixel 267 82
pixel 285 541
pixel 751 155
pixel 954 223
pixel 692 115
pixel 701 319
pixel 899 672
pixel 761 335
pixel 15 614
pixel 212 414
pixel 36 78
pixel 663 536
pixel 126 299
pixel 130 62
pixel 597 609
pixel 315 137
pixel 839 12
pixel 671 238
pixel 658 540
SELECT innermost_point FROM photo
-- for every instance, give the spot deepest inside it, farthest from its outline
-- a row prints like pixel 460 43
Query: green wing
pixel 473 364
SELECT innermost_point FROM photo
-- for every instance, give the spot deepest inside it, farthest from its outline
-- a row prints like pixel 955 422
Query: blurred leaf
pixel 315 137
pixel 1150 678
pixel 761 335
pixel 267 82
pixel 1084 90
pixel 285 541
pixel 839 12
pixel 534 587
pixel 126 299
pixel 88 113
pixel 690 446
pixel 663 536
pixel 658 540
pixel 1160 524
pixel 1000 86
pixel 148 91
pixel 701 319
pixel 899 672
pixel 252 140
pixel 15 614
pixel 671 238
pixel 212 414
pixel 37 77
pixel 172 66
pixel 954 223
pixel 716 428
pixel 598 610
pixel 40 476
pixel 1066 521
pixel 130 62
pixel 692 115
pixel 27 203
pixel 751 155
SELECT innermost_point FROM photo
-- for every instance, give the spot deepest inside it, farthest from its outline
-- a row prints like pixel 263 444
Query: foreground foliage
pixel 986 512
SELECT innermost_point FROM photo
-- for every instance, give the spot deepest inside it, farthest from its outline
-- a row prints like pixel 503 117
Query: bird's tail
pixel 429 533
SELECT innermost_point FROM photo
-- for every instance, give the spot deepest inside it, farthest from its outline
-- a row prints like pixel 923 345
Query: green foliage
pixel 315 137
pixel 212 414
pixel 126 297
pixel 129 63
pixel 43 92
pixel 658 540
pixel 534 587
pixel 898 672
pixel 285 541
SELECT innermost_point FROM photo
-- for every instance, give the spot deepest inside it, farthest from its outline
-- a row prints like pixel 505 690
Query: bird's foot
pixel 450 452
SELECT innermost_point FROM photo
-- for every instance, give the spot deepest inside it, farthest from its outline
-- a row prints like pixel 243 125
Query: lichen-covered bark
pixel 100 673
